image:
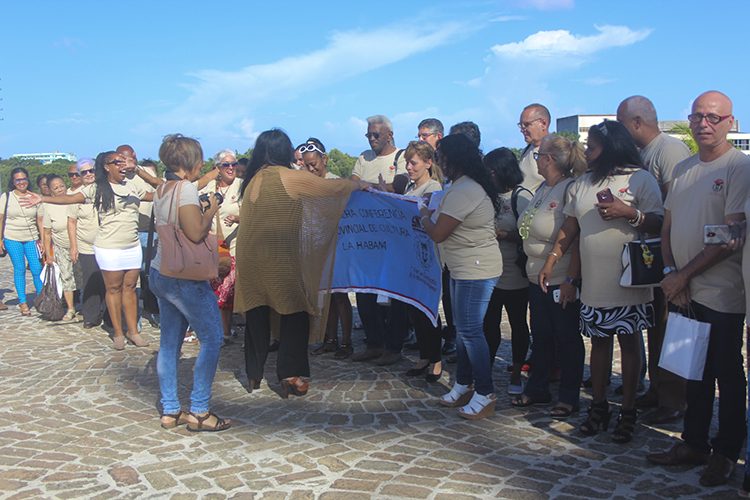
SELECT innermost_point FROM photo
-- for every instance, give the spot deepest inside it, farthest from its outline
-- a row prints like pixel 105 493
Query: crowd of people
pixel 541 237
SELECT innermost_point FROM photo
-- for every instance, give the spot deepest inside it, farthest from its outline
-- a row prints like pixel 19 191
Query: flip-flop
pixel 190 339
pixel 518 401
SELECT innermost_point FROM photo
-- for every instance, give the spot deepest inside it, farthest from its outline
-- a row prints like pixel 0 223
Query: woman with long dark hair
pixel 20 232
pixel 465 230
pixel 288 226
pixel 512 289
pixel 608 207
pixel 117 247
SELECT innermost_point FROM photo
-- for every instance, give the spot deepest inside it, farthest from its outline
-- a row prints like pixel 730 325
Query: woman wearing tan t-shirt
pixel 465 230
pixel 117 247
pixel 554 323
pixel 20 232
pixel 604 227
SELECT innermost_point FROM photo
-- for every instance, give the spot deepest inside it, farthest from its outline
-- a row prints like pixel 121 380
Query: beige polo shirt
pixel 119 225
pixel 56 219
pixel 601 242
pixel 230 206
pixel 703 193
pixel 20 224
pixel 369 166
pixel 87 225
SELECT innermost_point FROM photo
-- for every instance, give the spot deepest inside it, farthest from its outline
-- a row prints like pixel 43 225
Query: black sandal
pixel 344 351
pixel 599 415
pixel 625 427
pixel 329 345
pixel 562 413
pixel 199 426
pixel 176 419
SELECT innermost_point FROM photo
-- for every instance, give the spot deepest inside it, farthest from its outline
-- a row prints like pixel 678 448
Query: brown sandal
pixel 179 418
pixel 199 426
pixel 295 385
pixel 344 351
pixel 329 345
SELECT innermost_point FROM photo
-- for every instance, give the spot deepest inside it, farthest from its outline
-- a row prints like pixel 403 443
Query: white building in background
pixel 580 124
pixel 47 157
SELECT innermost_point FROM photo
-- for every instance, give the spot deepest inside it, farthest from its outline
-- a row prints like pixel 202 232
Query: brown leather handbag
pixel 180 257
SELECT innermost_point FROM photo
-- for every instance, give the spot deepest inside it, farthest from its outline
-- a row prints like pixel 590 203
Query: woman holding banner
pixel 425 176
pixel 465 229
pixel 288 226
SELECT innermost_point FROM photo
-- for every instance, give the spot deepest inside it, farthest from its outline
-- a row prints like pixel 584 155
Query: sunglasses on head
pixel 307 148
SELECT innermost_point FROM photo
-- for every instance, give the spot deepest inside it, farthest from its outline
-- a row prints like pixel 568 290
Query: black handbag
pixel 150 302
pixel 642 263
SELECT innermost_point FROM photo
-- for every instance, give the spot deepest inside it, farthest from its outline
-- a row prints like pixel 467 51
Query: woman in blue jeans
pixel 465 229
pixel 554 312
pixel 183 301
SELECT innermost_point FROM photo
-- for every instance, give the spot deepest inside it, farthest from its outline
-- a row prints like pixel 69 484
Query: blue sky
pixel 86 76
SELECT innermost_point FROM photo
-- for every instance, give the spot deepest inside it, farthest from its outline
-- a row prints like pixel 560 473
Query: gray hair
pixel 221 154
pixel 432 124
pixel 638 105
pixel 374 120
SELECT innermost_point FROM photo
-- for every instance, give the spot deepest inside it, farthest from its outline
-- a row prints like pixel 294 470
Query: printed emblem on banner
pixel 422 243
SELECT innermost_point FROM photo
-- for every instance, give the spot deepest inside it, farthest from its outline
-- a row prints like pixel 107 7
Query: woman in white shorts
pixel 116 246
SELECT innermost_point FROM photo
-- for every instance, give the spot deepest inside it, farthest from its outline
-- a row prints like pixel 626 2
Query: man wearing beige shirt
pixel 706 282
pixel 534 125
pixel 660 153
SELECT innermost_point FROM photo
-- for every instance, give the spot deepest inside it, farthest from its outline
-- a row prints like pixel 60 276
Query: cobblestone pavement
pixel 80 420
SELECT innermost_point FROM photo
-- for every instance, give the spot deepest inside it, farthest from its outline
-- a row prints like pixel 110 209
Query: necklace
pixel 523 231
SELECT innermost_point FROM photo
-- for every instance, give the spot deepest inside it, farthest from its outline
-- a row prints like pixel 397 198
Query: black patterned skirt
pixel 609 321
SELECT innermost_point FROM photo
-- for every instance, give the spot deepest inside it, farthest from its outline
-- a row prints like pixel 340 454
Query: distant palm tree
pixel 682 130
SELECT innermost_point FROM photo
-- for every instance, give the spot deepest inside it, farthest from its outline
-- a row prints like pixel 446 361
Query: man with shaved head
pixel 660 153
pixel 705 282
pixel 534 125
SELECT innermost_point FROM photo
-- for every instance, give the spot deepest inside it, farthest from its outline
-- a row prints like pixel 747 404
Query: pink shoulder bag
pixel 180 257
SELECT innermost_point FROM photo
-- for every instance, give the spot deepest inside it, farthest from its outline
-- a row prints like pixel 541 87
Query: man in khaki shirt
pixel 534 125
pixel 706 282
pixel 660 153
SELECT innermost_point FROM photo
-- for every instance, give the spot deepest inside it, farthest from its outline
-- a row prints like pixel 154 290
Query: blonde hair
pixel 425 151
pixel 178 151
pixel 568 155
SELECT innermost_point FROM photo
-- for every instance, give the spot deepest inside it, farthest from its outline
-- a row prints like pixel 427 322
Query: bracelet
pixel 557 257
pixel 569 279
pixel 423 218
pixel 638 220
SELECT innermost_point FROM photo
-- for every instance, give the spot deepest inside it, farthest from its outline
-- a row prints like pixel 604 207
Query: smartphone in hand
pixel 720 234
pixel 605 196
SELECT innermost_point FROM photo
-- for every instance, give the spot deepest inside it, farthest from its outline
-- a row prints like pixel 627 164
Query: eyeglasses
pixel 712 119
pixel 423 137
pixel 87 172
pixel 115 162
pixel 308 148
pixel 73 174
pixel 228 164
pixel 20 180
pixel 537 155
pixel 373 135
pixel 523 125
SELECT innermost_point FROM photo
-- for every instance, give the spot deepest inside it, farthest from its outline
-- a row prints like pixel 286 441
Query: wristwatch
pixel 669 269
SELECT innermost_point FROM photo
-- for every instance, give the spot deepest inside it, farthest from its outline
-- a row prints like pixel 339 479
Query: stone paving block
pixel 403 491
pixel 36 493
pixel 514 494
pixel 124 475
pixel 160 480
pixel 344 495
pixel 299 476
pixel 355 485
pixel 333 464
pixel 366 475
pixel 416 480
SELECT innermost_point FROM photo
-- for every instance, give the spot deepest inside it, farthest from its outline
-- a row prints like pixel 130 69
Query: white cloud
pixel 247 126
pixel 502 19
pixel 220 100
pixel 597 80
pixel 552 46
pixel 74 121
pixel 545 4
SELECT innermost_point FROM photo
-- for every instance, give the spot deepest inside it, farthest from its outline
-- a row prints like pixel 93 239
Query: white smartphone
pixel 556 295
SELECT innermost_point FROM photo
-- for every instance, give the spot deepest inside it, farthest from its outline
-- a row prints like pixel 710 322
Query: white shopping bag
pixel 685 346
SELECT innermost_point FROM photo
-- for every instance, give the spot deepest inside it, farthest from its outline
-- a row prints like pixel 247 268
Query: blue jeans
pixel 184 302
pixel 19 253
pixel 470 299
pixel 725 365
pixel 555 329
